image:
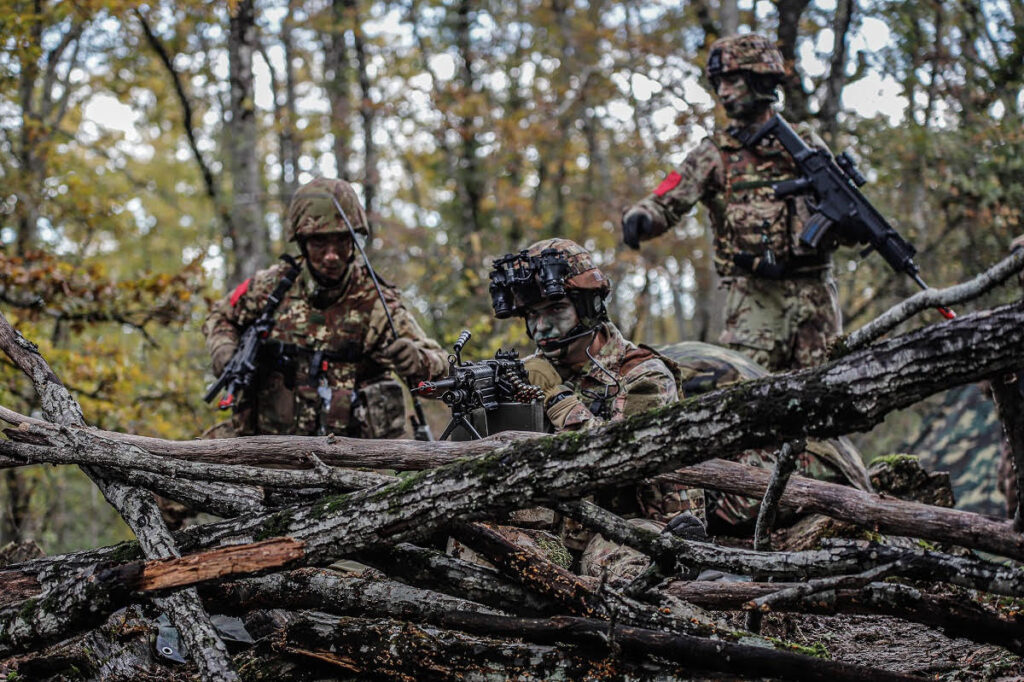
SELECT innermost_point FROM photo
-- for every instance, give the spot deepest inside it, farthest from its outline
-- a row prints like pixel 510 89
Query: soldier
pixel 590 374
pixel 326 366
pixel 782 302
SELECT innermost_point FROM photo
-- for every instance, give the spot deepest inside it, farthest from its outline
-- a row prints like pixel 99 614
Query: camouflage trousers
pixel 782 324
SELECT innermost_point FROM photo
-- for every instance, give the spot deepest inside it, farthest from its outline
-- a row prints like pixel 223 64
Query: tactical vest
pixel 749 219
pixel 308 350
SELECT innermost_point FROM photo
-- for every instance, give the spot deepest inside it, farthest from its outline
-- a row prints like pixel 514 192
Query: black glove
pixel 759 266
pixel 686 526
pixel 636 226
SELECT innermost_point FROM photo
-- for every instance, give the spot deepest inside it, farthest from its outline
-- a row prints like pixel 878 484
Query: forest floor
pixel 895 645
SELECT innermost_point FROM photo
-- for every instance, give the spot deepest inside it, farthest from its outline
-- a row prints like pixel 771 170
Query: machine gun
pixel 489 396
pixel 838 203
pixel 240 371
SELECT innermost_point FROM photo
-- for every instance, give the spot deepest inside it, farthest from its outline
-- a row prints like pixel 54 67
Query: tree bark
pixel 136 507
pixel 838 558
pixel 249 240
pixel 84 601
pixel 956 617
pixel 875 512
pixel 584 649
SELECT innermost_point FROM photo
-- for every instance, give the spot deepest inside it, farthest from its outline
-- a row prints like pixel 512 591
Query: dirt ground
pixel 897 645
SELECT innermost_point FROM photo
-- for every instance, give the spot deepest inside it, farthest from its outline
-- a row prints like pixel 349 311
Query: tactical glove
pixel 543 375
pixel 636 226
pixel 686 526
pixel 560 404
pixel 759 266
pixel 407 358
pixel 220 356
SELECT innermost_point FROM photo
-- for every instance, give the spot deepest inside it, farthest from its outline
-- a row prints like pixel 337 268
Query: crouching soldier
pixel 590 374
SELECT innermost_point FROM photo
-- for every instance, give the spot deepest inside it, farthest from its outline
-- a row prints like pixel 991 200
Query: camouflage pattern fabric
pixel 705 367
pixel 963 436
pixel 784 324
pixel 312 211
pixel 617 563
pixel 540 542
pixel 349 326
pixel 745 52
pixel 734 183
pixel 646 382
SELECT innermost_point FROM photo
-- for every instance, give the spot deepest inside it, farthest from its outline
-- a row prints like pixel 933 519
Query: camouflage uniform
pixel 783 322
pixel 323 337
pixel 705 367
pixel 634 379
pixel 647 382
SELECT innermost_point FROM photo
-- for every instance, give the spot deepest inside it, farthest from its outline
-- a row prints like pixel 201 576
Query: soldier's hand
pixel 407 358
pixel 636 226
pixel 542 374
pixel 220 356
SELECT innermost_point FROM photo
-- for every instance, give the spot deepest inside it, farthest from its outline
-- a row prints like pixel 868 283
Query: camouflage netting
pixel 963 436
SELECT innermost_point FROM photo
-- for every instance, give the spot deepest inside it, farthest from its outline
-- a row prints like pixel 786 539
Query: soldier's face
pixel 329 254
pixel 550 321
pixel 736 97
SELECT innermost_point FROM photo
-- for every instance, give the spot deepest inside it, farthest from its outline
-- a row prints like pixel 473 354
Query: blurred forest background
pixel 148 152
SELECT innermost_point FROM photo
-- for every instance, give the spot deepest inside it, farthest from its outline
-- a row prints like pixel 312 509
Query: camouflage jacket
pixel 734 183
pixel 333 340
pixel 641 381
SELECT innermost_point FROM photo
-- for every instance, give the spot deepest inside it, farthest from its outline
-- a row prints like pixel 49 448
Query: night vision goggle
pixel 519 280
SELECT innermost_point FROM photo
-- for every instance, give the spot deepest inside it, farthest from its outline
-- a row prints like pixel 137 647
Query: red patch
pixel 239 292
pixel 668 183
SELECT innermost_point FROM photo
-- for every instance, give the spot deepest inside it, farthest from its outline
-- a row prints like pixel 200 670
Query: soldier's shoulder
pixel 364 289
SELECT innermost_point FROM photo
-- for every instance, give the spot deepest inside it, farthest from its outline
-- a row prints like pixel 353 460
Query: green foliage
pixel 477 128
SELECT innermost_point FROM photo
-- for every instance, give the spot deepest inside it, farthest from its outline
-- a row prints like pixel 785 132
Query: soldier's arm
pixel 433 361
pixel 668 204
pixel 228 317
pixel 645 387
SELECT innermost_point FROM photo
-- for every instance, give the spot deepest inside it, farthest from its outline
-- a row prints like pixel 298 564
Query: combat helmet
pixel 312 209
pixel 548 270
pixel 751 53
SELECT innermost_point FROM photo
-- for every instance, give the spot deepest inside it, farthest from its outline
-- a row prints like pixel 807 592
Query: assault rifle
pixel 476 391
pixel 838 203
pixel 241 368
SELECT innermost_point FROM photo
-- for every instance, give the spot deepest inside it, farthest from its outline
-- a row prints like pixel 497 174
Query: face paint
pixel 736 96
pixel 329 255
pixel 550 321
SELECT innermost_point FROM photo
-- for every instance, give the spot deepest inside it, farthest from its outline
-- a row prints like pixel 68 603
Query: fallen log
pixel 837 558
pixel 90 448
pixel 578 596
pixel 955 617
pixel 563 648
pixel 851 393
pixel 85 601
pixel 429 568
pixel 137 507
pixel 875 512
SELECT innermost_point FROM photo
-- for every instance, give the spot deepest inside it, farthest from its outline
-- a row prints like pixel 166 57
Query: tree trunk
pixel 249 243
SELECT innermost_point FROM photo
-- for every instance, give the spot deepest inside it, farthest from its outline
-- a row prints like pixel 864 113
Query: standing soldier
pixel 326 366
pixel 782 305
pixel 590 374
